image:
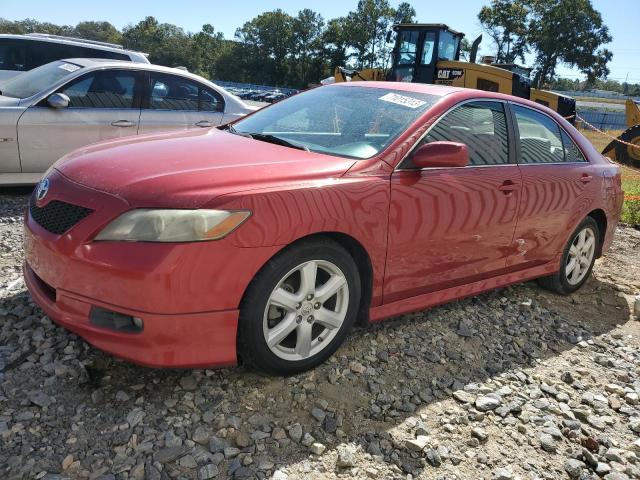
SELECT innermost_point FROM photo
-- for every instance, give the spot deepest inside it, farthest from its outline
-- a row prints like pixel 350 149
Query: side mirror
pixel 58 100
pixel 441 154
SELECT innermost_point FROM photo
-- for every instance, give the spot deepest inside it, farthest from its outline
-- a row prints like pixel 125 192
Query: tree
pixel 335 42
pixel 307 37
pixel 268 39
pixel 165 43
pixel 505 21
pixel 405 13
pixel 367 27
pixel 570 32
pixel 101 31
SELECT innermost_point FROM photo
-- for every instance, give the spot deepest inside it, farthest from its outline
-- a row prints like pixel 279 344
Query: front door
pixel 103 105
pixel 449 226
pixel 179 103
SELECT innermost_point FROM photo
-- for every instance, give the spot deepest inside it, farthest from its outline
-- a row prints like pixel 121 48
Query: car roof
pixel 459 93
pixel 44 37
pixel 106 63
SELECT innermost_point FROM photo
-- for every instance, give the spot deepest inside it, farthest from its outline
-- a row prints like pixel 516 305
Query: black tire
pixel 626 154
pixel 252 345
pixel 558 282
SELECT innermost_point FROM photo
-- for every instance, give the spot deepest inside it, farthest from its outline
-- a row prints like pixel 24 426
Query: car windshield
pixel 354 122
pixel 29 83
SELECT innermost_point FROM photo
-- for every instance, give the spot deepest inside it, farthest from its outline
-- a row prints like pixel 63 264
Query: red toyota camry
pixel 264 241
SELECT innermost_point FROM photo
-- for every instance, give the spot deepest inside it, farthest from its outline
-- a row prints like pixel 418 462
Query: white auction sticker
pixel 402 100
pixel 69 67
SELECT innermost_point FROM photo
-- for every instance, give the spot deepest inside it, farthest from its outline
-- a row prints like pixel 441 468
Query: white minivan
pixel 19 53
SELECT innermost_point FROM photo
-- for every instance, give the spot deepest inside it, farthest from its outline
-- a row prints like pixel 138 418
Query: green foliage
pixel 570 32
pixel 505 21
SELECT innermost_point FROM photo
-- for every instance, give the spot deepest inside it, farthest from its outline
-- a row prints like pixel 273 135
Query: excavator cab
pixel 419 47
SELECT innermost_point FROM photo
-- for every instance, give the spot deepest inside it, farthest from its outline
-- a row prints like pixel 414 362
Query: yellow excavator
pixel 430 53
pixel 628 152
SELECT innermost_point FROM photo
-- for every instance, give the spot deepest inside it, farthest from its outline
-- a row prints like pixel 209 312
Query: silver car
pixel 49 111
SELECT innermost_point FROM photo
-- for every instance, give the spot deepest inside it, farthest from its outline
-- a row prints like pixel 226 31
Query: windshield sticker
pixel 408 102
pixel 69 67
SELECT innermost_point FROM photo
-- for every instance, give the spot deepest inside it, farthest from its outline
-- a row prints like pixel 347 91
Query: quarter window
pixel 540 140
pixel 482 126
pixel 102 89
pixel 571 151
pixel 170 92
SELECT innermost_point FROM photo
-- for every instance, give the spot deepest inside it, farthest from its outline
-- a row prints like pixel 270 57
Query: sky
pixel 621 16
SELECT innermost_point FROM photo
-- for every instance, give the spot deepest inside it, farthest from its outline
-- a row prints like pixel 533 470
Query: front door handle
pixel 123 123
pixel 508 187
pixel 586 178
pixel 204 124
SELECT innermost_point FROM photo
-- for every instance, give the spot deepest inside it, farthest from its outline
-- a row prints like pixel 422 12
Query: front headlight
pixel 153 225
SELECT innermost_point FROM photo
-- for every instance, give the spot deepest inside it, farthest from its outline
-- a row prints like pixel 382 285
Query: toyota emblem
pixel 42 190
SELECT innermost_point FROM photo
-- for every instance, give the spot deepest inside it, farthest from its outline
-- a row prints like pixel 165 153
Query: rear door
pixel 104 104
pixel 451 226
pixel 557 184
pixel 178 103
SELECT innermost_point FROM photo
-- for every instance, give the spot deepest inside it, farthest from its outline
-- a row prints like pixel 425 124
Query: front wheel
pixel 299 308
pixel 577 260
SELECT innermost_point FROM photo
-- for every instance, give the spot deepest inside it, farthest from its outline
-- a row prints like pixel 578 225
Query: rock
pixel 318 414
pixel 573 467
pixel 66 463
pixel 547 442
pixel 188 383
pixel 486 403
pixel 464 397
pixel 135 416
pixel 433 457
pixel 346 456
pixel 480 434
pixel 170 454
pixel 295 432
pixel 201 435
pixel 307 439
pixel 40 399
pixel 567 377
pixel 503 473
pixel 357 367
pixel 317 448
pixel 231 452
pixel 207 472
pixel 121 396
pixel 417 444
pixel 243 440
pixel 636 307
pixel 216 444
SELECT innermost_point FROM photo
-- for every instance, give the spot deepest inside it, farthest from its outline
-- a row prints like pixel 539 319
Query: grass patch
pixel 630 178
pixel 618 101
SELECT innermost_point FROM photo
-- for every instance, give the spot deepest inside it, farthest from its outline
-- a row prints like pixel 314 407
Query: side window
pixel 102 89
pixel 427 48
pixel 571 151
pixel 13 55
pixel 482 126
pixel 540 140
pixel 487 85
pixel 210 100
pixel 408 47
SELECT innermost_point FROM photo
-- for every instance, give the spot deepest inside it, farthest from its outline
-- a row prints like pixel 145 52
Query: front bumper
pixel 187 295
pixel 189 340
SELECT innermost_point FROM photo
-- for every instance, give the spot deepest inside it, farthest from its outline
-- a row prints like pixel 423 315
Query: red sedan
pixel 265 241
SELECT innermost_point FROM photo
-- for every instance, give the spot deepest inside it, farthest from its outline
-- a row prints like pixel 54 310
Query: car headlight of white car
pixel 159 225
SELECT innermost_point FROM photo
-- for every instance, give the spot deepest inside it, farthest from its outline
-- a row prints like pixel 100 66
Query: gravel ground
pixel 516 383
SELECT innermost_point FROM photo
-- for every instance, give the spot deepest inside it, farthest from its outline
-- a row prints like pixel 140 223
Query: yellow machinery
pixel 629 151
pixel 430 53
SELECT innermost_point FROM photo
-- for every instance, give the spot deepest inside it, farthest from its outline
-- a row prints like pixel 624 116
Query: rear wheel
pixel 629 154
pixel 299 308
pixel 577 260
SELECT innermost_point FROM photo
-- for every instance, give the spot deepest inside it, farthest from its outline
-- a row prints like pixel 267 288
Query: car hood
pixel 188 169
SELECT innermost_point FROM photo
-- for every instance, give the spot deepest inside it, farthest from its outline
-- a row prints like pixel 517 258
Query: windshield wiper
pixel 266 137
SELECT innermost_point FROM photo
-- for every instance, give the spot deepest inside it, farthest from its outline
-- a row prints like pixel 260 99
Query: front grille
pixel 56 216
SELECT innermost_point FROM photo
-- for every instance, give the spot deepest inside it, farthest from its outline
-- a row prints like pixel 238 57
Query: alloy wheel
pixel 580 256
pixel 306 310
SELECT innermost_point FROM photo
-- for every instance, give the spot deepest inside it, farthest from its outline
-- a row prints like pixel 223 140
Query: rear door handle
pixel 586 178
pixel 508 186
pixel 123 123
pixel 204 124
